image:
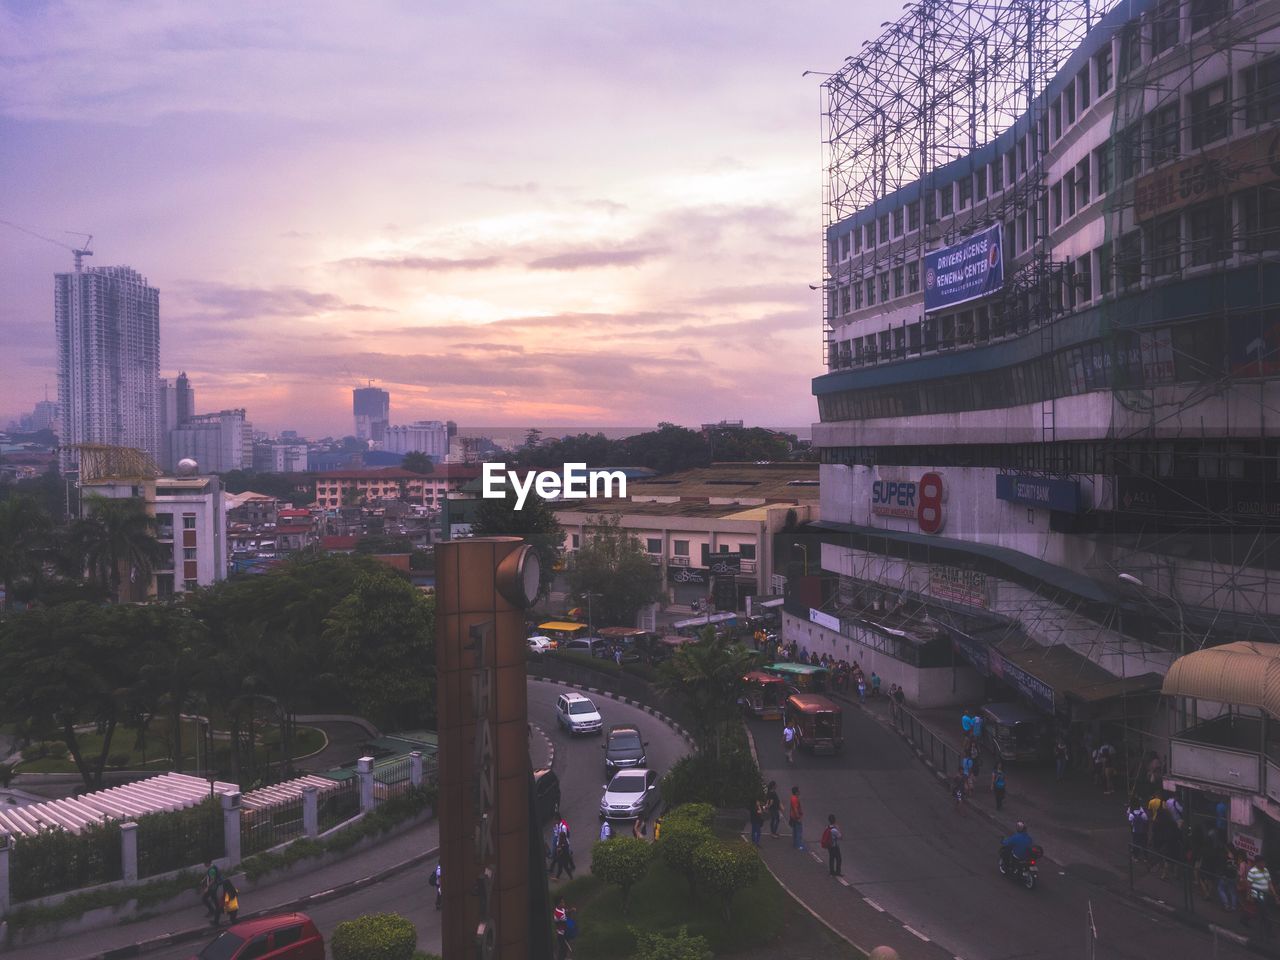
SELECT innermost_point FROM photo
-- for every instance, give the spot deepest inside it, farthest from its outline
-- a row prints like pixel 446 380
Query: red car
pixel 286 936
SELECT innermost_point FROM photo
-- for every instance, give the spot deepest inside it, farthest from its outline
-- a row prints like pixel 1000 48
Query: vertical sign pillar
pixel 482 589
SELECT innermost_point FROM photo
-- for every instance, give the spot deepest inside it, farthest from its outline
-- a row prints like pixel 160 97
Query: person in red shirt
pixel 796 819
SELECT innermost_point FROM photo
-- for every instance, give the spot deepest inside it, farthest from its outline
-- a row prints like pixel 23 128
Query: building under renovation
pixel 1050 404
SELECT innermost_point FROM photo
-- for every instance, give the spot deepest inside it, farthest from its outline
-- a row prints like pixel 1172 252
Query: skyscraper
pixel 372 409
pixel 177 406
pixel 108 327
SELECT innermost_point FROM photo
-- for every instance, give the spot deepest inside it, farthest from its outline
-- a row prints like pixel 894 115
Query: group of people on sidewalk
pixel 769 807
pixel 218 894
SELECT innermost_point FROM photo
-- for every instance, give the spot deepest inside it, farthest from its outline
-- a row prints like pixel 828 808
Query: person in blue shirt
pixel 1019 844
pixel 966 723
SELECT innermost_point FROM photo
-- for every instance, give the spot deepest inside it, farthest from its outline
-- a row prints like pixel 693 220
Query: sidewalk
pixel 294 891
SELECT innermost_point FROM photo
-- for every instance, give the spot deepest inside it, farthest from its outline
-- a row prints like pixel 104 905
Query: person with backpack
pixel 437 876
pixel 998 784
pixel 831 837
pixel 231 899
pixel 210 890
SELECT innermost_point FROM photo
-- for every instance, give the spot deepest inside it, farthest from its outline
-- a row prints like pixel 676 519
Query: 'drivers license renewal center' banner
pixel 966 271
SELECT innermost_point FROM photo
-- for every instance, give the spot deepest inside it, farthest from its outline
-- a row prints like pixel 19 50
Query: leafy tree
pixel 667 449
pixel 725 868
pixel 537 523
pixel 622 862
pixel 282 486
pixel 680 838
pixel 117 539
pixel 612 565
pixel 383 639
pixel 707 677
pixel 24 532
pixel 533 437
pixel 417 462
pixel 748 444
pixel 49 490
pixel 651 945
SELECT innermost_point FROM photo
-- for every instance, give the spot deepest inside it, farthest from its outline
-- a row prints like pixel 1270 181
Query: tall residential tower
pixel 372 409
pixel 108 327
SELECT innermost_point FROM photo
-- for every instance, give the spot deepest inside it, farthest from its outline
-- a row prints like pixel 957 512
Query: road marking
pixel 843 881
pixel 817 856
pixel 873 905
pixel 915 932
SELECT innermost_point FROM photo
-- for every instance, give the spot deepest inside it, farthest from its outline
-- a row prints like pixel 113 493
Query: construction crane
pixel 78 253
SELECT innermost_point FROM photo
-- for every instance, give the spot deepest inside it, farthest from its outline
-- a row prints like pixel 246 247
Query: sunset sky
pixel 577 213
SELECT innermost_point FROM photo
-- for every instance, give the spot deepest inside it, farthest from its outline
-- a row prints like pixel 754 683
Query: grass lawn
pixel 765 921
pixel 307 740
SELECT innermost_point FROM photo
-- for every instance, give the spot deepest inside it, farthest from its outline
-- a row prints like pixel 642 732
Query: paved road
pixel 910 853
pixel 580 761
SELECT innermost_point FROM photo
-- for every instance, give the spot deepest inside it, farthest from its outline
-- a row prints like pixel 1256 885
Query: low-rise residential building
pixel 337 488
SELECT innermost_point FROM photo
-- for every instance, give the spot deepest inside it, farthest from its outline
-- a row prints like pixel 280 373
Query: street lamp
pixel 1130 579
pixel 804 550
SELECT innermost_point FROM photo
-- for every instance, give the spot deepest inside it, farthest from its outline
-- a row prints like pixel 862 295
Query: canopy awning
pixel 1244 673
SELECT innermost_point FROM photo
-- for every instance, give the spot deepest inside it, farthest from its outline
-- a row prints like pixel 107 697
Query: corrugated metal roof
pixel 1244 673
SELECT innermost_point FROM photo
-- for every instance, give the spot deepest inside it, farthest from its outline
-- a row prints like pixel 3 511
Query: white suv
pixel 577 714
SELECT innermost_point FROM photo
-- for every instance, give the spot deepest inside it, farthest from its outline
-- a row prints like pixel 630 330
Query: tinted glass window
pixel 223 948
pixel 582 706
pixel 625 741
pixel 631 784
pixel 257 947
pixel 287 936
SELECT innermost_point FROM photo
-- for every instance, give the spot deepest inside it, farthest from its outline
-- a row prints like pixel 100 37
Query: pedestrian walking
pixel 617 656
pixel 606 829
pixel 1139 823
pixel 998 784
pixel 558 829
pixel 977 727
pixel 560 918
pixel 436 878
pixel 757 821
pixel 211 891
pixel 831 843
pixel 1227 894
pixel 862 689
pixel 875 684
pixel 1060 757
pixel 957 788
pixel 230 899
pixel 1263 892
pixel 966 770
pixel 773 806
pixel 966 723
pixel 789 742
pixel 640 829
pixel 562 857
pixel 795 819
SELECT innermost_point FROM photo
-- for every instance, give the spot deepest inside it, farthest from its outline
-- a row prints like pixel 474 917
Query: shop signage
pixel 1049 492
pixel 955 583
pixel 972 268
pixel 1213 173
pixel 1236 500
pixel 1033 688
pixel 1251 845
pixel 976 652
pixel 824 620
pixel 919 501
pixel 724 562
pixel 689 575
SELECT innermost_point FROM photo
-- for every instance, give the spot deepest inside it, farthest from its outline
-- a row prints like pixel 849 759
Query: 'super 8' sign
pixel 920 501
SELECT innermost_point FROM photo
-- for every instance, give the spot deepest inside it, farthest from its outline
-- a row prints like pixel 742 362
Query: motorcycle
pixel 1024 870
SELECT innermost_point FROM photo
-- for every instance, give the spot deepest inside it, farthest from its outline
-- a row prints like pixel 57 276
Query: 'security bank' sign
pixel 970 269
pixel 919 501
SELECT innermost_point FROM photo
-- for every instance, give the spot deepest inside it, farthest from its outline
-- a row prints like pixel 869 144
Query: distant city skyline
pixel 521 214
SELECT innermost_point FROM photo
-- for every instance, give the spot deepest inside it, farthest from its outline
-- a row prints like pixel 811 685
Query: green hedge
pixel 55 861
pixel 146 895
pixel 733 781
pixel 176 839
pixel 376 936
pixel 603 665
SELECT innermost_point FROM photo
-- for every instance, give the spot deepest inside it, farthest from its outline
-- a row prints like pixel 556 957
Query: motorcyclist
pixel 1018 845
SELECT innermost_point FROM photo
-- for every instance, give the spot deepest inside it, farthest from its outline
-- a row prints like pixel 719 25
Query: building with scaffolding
pixel 1051 340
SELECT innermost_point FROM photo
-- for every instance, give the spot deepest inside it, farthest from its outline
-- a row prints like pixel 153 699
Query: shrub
pixel 6 774
pixel 622 862
pixel 117 760
pixel 725 868
pixel 731 781
pixel 657 946
pixel 678 842
pixel 375 936
pixel 703 813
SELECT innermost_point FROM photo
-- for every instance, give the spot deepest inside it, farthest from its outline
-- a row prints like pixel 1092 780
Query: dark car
pixel 546 794
pixel 285 936
pixel 623 748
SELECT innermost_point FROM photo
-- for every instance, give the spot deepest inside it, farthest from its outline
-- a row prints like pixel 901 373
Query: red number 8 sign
pixel 929 497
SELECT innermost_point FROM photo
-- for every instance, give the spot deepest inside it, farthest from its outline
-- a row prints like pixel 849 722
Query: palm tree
pixel 24 531
pixel 117 535
pixel 707 678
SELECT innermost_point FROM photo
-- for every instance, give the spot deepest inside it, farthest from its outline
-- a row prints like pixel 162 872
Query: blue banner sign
pixel 1038 692
pixel 1049 492
pixel 970 269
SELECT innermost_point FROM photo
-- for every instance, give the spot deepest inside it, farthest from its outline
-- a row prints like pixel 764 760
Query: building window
pixel 965 187
pixel 1164 26
pixel 884 287
pixel 189 585
pixel 980 184
pixel 1082 89
pixel 680 548
pixel 1055 201
pixel 1262 93
pixel 1084 279
pixel 1260 219
pixel 1166 246
pixel 857 295
pixel 1129 260
pixel 188 553
pixel 913 216
pixel 748 551
pixel 1069 103
pixel 897 222
pixel 1207 233
pixel 871 291
pixel 1082 185
pixel 164 585
pixel 1130 48
pixel 946 202
pixel 1130 149
pixel 1102 160
pixel 856 233
pixel 870 229
pixel 1055 114
pixel 1102 259
pixel 1165 135
pixel 884 228
pixel 1205 13
pixel 997 175
pixel 1210 115
pixel 575 541
pixel 899 282
pixel 653 545
pixel 188 521
pixel 844 246
pixel 913 276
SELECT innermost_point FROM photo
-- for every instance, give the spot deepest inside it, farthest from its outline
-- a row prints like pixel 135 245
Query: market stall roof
pixel 1245 673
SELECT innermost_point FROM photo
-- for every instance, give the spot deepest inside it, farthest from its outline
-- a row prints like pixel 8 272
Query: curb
pixel 551 747
pixel 204 930
pixel 812 912
pixel 681 731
